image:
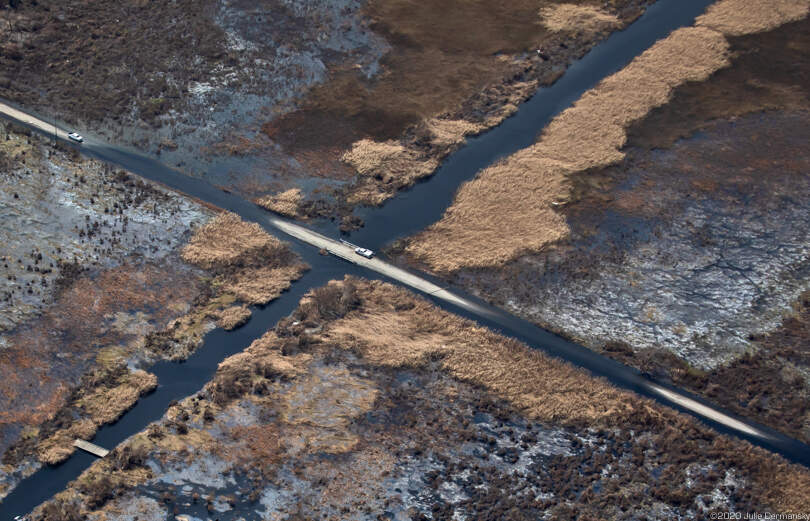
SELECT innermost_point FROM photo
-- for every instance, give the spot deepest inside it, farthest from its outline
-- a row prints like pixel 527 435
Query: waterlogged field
pixel 370 402
pixel 664 225
pixel 102 274
pixel 348 101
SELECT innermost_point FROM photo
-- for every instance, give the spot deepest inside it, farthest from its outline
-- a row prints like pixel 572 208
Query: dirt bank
pixel 688 258
pixel 330 415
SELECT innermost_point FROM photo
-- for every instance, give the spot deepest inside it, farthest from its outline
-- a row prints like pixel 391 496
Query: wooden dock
pixel 92 448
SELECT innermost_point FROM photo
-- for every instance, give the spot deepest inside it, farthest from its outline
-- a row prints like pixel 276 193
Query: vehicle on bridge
pixel 75 137
pixel 365 252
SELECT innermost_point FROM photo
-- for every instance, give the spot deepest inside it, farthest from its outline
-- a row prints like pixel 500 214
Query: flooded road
pixel 409 212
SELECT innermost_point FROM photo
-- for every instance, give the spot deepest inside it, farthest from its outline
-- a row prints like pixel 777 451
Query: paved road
pixel 24 117
pixel 344 251
pixel 625 376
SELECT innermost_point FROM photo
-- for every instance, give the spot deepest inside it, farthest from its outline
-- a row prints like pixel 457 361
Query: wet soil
pixel 322 433
pixel 264 97
pixel 689 260
pixel 89 266
pixel 93 288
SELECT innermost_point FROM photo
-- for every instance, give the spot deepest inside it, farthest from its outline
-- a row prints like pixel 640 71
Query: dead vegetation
pixel 735 148
pixel 587 19
pixel 385 163
pixel 520 195
pixel 108 404
pixel 322 387
pixel 396 128
pixel 226 241
pixel 233 317
pixel 393 327
pixel 247 261
pixel 768 72
pixel 739 17
pixel 286 203
pixel 43 62
pixel 760 105
pixel 396 329
pixel 101 398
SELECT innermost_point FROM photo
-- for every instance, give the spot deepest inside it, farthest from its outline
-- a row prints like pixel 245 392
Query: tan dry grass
pixel 250 263
pixel 451 131
pixel 739 17
pixel 396 328
pixel 233 317
pixel 542 387
pixel 59 446
pixel 283 203
pixel 389 162
pixel 106 405
pixel 56 449
pixel 262 284
pixel 575 18
pixel 227 240
pixel 786 486
pixel 508 209
pixel 265 353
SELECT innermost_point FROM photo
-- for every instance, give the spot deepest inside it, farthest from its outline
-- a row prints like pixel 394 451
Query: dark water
pixel 410 212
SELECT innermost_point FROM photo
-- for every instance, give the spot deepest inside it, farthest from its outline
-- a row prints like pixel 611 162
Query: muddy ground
pixel 309 423
pixel 95 285
pixel 689 259
pixel 269 96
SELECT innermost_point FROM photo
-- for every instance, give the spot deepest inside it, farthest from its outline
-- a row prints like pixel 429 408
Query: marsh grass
pixel 511 207
pixel 286 203
pixel 248 262
pixel 586 19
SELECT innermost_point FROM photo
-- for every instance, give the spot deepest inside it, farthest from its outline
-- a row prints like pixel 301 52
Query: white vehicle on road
pixel 365 252
pixel 76 137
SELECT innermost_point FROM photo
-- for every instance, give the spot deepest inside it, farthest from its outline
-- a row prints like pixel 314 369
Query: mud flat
pixel 675 238
pixel 370 402
pixel 348 101
pixel 98 281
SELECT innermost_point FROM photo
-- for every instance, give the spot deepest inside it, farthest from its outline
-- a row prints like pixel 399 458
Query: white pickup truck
pixel 365 252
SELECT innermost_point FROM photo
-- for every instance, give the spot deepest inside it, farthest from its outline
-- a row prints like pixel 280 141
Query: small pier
pixel 92 448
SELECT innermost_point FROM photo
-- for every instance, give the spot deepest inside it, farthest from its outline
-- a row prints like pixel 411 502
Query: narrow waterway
pixel 406 214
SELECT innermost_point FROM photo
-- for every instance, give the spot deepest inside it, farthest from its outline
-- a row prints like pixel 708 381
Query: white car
pixel 76 137
pixel 364 252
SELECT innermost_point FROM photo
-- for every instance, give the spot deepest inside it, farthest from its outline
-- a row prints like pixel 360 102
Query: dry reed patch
pixel 233 317
pixel 59 446
pixel 227 240
pixel 56 449
pixel 786 485
pixel 542 387
pixel 393 327
pixel 509 208
pixel 446 132
pixel 103 405
pixel 249 263
pixel 263 284
pixel 575 18
pixel 384 163
pixel 283 203
pixel 739 17
pixel 108 404
pixel 244 372
pixel 256 445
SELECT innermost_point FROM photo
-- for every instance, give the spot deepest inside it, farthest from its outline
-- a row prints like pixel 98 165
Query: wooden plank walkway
pixel 92 448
